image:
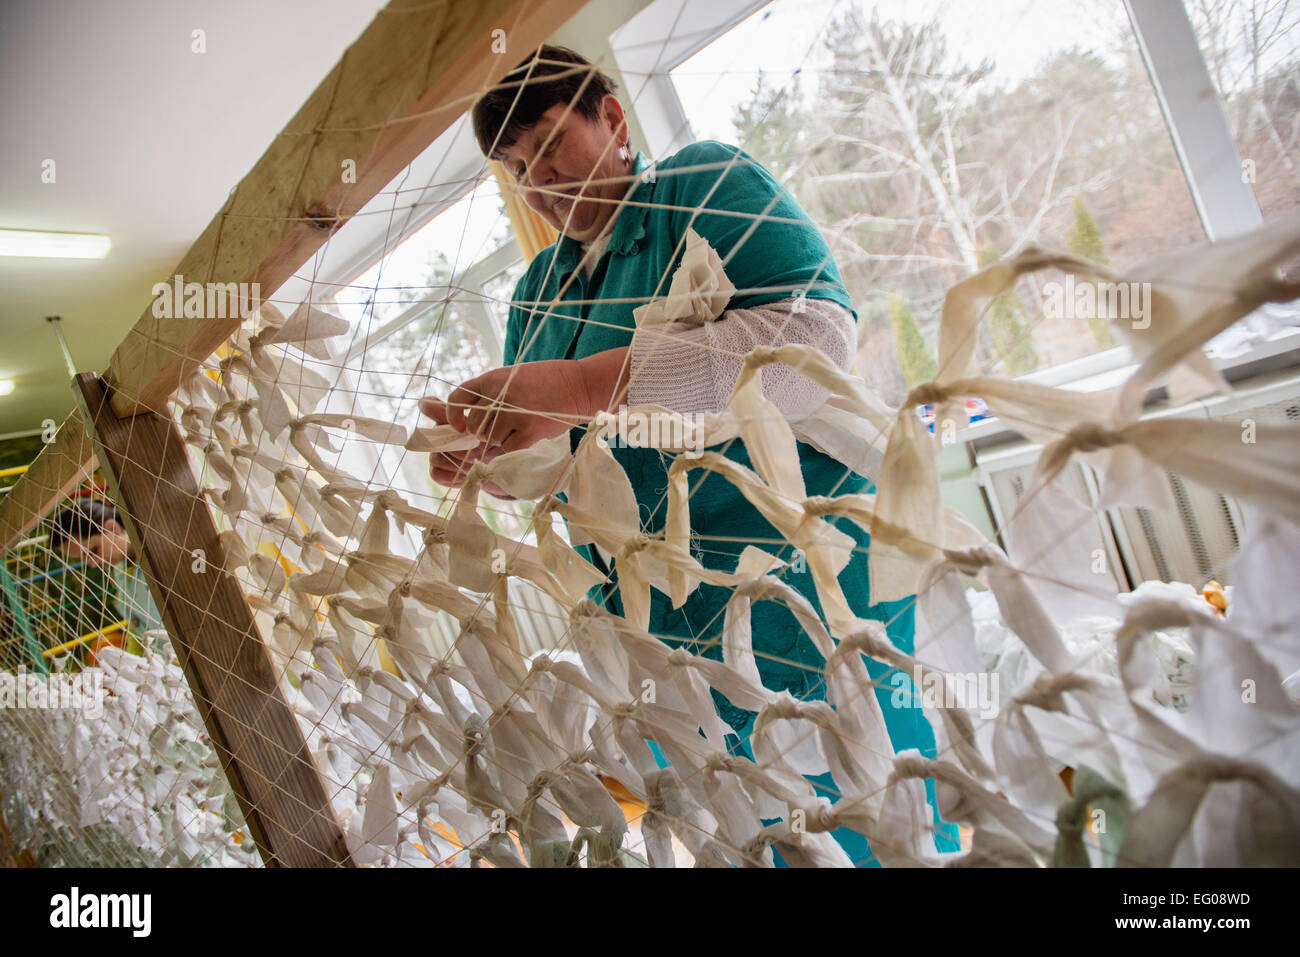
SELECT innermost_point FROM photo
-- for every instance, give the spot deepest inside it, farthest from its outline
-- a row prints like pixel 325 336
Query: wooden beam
pixel 414 71
pixel 228 667
pixel 59 468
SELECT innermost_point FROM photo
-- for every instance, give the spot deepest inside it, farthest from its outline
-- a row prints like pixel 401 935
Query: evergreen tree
pixel 913 354
pixel 1008 325
pixel 770 127
pixel 1086 243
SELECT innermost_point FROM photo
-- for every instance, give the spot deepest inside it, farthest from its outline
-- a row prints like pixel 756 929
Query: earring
pixel 623 153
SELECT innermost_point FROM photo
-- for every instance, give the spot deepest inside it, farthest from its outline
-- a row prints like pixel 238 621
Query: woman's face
pixel 569 168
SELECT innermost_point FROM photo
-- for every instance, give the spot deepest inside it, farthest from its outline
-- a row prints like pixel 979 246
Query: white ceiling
pixel 149 138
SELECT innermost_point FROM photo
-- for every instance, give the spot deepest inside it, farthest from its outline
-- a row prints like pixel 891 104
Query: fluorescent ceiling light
pixel 6 386
pixel 26 242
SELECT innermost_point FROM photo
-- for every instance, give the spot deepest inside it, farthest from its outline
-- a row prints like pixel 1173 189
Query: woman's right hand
pixel 450 469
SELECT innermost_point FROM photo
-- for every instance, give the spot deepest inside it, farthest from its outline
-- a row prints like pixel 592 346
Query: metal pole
pixel 54 322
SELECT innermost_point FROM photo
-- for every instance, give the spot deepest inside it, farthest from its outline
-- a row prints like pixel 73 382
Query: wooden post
pixel 227 665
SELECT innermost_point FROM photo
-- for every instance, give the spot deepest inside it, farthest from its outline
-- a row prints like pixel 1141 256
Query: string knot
pixel 1089 437
pixel 927 393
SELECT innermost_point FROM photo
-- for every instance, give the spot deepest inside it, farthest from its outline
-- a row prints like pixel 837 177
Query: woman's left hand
pixel 516 406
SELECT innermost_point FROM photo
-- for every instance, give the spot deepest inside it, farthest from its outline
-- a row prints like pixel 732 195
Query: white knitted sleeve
pixel 693 368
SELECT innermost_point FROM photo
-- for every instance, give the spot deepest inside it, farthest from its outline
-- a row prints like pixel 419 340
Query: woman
pixel 572 350
pixel 91 531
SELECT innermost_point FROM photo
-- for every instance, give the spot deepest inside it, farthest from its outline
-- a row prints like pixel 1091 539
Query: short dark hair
pixel 81 520
pixel 550 75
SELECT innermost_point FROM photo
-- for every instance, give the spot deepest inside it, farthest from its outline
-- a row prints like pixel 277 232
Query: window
pixel 498 291
pixel 930 139
pixel 418 328
pixel 421 327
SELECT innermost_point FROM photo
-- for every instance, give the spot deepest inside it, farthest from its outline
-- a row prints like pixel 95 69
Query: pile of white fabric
pixel 1090 640
pixel 133 781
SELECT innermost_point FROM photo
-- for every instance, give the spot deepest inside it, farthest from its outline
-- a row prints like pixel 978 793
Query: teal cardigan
pixel 558 312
